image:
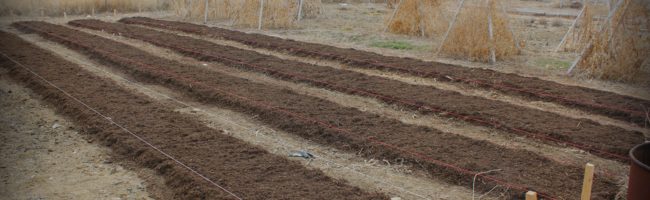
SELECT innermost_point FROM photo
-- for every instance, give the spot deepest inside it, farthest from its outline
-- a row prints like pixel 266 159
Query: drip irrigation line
pixel 501 87
pixel 123 128
pixel 370 139
pixel 412 103
pixel 252 130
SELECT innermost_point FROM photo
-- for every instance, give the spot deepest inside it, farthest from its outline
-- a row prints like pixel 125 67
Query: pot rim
pixel 635 160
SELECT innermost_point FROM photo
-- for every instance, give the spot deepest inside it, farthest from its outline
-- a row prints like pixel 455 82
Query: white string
pixel 252 130
pixel 122 127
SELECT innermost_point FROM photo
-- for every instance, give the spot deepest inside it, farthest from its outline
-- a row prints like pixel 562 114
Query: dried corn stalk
pixel 276 13
pixel 469 37
pixel 56 8
pixel 581 33
pixel 416 17
pixel 620 52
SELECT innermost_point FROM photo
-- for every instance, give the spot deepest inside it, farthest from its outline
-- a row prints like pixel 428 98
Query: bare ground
pixel 42 155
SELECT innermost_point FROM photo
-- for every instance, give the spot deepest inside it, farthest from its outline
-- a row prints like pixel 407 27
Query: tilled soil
pixel 247 171
pixel 603 140
pixel 590 100
pixel 446 156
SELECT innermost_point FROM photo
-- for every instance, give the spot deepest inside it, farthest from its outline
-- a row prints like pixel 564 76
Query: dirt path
pixel 578 133
pixel 611 104
pixel 345 128
pixel 42 155
pixel 185 151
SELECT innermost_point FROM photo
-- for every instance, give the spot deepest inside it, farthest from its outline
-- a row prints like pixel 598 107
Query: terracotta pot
pixel 639 181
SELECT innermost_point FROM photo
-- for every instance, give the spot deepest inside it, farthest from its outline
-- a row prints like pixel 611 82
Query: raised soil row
pixel 595 101
pixel 450 157
pixel 246 170
pixel 603 140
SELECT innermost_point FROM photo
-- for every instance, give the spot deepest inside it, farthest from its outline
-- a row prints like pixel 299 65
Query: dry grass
pixel 416 17
pixel 56 8
pixel 276 14
pixel 469 38
pixel 620 52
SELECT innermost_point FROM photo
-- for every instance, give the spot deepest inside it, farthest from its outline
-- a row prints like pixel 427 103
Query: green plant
pixel 550 63
pixel 400 45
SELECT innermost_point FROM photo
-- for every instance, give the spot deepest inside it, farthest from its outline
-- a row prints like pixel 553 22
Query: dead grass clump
pixel 276 13
pixel 73 7
pixel 469 37
pixel 416 17
pixel 620 52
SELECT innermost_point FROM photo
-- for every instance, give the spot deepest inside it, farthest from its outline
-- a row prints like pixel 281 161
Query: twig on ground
pixel 474 180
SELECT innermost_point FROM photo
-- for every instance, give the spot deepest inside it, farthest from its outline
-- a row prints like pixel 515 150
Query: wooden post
pixel 530 195
pixel 451 25
pixel 491 43
pixel 92 11
pixel 189 9
pixel 205 13
pixel 261 15
pixel 620 20
pixel 65 15
pixel 300 4
pixel 573 25
pixel 42 12
pixel 588 180
pixel 393 15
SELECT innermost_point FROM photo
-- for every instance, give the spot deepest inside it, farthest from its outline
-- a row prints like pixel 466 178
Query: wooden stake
pixel 493 58
pixel 300 10
pixel 514 37
pixel 261 15
pixel 393 15
pixel 42 12
pixel 65 15
pixel 205 13
pixel 620 20
pixel 92 11
pixel 530 195
pixel 587 182
pixel 189 9
pixel 573 25
pixel 114 12
pixel 451 25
